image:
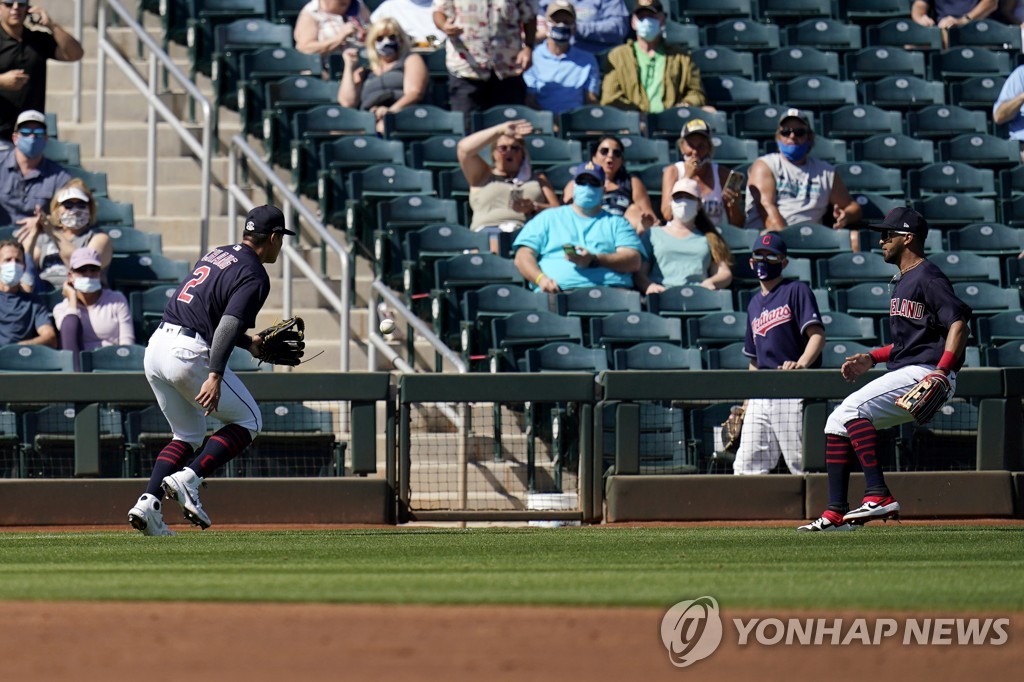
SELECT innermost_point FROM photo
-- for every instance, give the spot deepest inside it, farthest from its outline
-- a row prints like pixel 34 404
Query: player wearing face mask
pixel 90 316
pixel 562 77
pixel 687 250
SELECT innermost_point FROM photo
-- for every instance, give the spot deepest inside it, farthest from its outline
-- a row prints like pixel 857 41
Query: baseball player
pixel 186 364
pixel 785 332
pixel 929 327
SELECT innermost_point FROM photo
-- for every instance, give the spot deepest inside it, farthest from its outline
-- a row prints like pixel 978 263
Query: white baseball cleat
pixel 147 518
pixel 829 520
pixel 874 508
pixel 183 487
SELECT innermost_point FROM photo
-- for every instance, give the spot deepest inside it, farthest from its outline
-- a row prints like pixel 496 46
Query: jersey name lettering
pixel 901 307
pixel 769 319
pixel 219 259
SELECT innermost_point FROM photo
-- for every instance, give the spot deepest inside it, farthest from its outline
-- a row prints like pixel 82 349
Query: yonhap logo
pixel 691 631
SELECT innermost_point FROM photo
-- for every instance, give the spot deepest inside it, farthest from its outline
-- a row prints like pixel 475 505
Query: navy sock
pixel 170 460
pixel 865 443
pixel 838 463
pixel 223 446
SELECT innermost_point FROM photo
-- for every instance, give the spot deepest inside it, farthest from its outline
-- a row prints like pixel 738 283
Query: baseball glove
pixel 732 429
pixel 926 397
pixel 282 344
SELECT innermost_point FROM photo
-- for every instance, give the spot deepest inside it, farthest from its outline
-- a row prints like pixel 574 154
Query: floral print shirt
pixel 491 35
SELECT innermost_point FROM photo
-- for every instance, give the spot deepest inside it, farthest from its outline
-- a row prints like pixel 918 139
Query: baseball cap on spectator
pixel 590 168
pixel 265 220
pixel 85 256
pixel 906 220
pixel 649 6
pixel 30 116
pixel 687 186
pixel 697 126
pixel 560 6
pixel 771 242
pixel 72 193
pixel 797 114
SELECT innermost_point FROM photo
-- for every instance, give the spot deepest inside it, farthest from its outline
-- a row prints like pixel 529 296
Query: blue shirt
pixel 600 24
pixel 20 194
pixel 778 322
pixel 1013 86
pixel 549 230
pixel 21 316
pixel 559 81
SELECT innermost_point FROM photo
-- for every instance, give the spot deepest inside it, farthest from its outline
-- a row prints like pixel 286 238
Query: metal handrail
pixel 377 342
pixel 204 150
pixel 292 205
pixel 76 68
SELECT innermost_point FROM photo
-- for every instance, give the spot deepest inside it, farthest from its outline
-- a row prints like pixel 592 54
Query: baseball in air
pixel 387 326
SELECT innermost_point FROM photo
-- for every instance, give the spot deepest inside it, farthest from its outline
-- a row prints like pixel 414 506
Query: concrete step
pixel 131 170
pixel 60 75
pixel 122 135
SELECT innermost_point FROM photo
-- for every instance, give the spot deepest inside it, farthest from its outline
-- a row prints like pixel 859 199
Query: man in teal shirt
pixel 581 245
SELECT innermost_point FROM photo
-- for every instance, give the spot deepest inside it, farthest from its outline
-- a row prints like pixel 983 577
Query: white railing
pixel 149 89
pixel 375 341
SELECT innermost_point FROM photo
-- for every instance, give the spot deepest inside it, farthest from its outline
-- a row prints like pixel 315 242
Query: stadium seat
pixel 980 149
pixel 798 268
pixel 845 327
pixel 357 152
pixel 816 92
pixel 148 308
pixel 825 34
pixel 15 357
pixel 866 298
pixel 110 213
pixel 814 240
pixel 206 16
pixel 657 355
pixel 63 152
pixel 1009 354
pixel 365 188
pixel 1011 182
pixel 434 153
pixel 826 149
pixel 894 151
pixel 872 63
pixel 729 356
pixel 127 240
pixel 703 11
pixel 135 272
pixel 437 75
pixel 987 239
pixel 976 93
pixel 1013 211
pixel 641 152
pixel 459 274
pixel 689 301
pixel 994 35
pixel 669 123
pixel 904 32
pixel 835 352
pixel 543 122
pixel 421 121
pixel 715 60
pixel 593 121
pixel 286 11
pixel 514 334
pixel 986 298
pixel 597 302
pixel 282 100
pixel 948 210
pixel 859 121
pixel 760 122
pixel 546 150
pixel 964 266
pixel 237 39
pixel 786 11
pixel 797 60
pixel 902 92
pixel 562 356
pixel 950 176
pixel 736 92
pixel 426 245
pixel 10 447
pixel 874 11
pixel 480 306
pixel 49 442
pixel 845 269
pixel 865 176
pixel 650 177
pixel 681 36
pixel 320 124
pixel 452 185
pixel 1001 327
pixel 966 62
pixel 716 329
pixel 296 441
pixel 743 34
pixel 621 330
pixel 124 358
pixel 733 151
pixel 944 121
pixel 561 175
pixel 874 207
pixel 96 182
pixel 398 216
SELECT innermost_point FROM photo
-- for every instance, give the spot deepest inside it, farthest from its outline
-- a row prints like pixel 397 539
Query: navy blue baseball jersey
pixel 778 322
pixel 229 280
pixel 922 308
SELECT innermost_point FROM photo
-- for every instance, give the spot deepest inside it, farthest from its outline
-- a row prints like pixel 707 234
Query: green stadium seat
pixel 282 100
pixel 872 63
pixel 641 152
pixel 682 36
pixel 543 122
pixel 127 240
pixel 736 92
pixel 786 11
pixel 148 309
pixel 734 151
pixel 994 35
pixel 845 269
pixel 657 355
pixel 1011 182
pixel 426 245
pixel 134 272
pixel 949 210
pixel 624 329
pixel 845 327
pixel 562 356
pixel 689 301
pixel 257 68
pixel 903 92
pixel 64 153
pixel 951 176
pixel 715 60
pixel 296 441
pixel 980 149
pixel 729 356
pixel 987 239
pixel 357 152
pixel 814 240
pixel 894 151
pixel 859 121
pixel 546 151
pixel 986 298
pixel 124 358
pixel 865 176
pixel 835 352
pixel 49 442
pixel 703 11
pixel 1001 327
pixel 594 121
pixel 597 301
pixel 16 357
pixel 514 334
pixel 866 298
pixel 786 63
pixel 365 188
pixel 743 34
pixel 904 32
pixel 421 121
pixel 206 36
pixel 398 216
pixel 1009 354
pixel 874 207
pixel 825 34
pixel 964 266
pixel 966 62
pixel 945 121
pixel 309 129
pixel 976 93
pixel 285 11
pixel 874 11
pixel 480 306
pixel 816 92
pixel 456 276
pixel 669 124
pixel 716 329
pixel 760 122
pixel 110 213
pixel 96 182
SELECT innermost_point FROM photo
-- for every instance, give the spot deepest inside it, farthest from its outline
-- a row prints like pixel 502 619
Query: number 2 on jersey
pixel 201 273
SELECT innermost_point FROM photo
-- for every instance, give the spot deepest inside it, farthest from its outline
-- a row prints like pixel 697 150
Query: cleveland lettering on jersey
pixel 901 307
pixel 770 319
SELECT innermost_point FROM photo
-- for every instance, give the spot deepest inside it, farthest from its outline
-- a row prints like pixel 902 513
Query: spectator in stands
pixel 415 17
pixel 624 193
pixel 581 245
pixel 23 56
pixel 600 24
pixel 397 78
pixel 790 186
pixel 784 332
pixel 647 74
pixel 329 26
pixel 490 47
pixel 70 225
pixel 1007 107
pixel 721 204
pixel 91 316
pixel 504 196
pixel 23 317
pixel 688 249
pixel 949 13
pixel 563 77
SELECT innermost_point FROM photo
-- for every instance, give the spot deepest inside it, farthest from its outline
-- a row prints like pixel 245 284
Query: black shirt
pixel 29 54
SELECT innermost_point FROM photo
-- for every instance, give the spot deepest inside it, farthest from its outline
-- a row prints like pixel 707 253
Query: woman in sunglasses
pixel 68 226
pixel 397 78
pixel 91 316
pixel 506 194
pixel 722 203
pixel 624 193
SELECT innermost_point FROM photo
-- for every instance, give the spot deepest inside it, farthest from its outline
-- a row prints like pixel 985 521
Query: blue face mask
pixel 587 197
pixel 794 152
pixel 648 28
pixel 560 33
pixel 767 271
pixel 31 146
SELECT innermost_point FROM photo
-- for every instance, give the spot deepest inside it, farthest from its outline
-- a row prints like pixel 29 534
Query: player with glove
pixel 928 325
pixel 187 366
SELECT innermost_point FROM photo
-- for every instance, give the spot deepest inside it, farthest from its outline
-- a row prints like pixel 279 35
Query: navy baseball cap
pixel 592 169
pixel 265 220
pixel 904 219
pixel 771 242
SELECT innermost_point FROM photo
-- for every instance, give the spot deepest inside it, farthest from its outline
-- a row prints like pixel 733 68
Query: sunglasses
pixel 503 148
pixel 608 151
pixel 795 132
pixel 12 4
pixel 889 234
pixel 87 269
pixel 38 132
pixel 588 181
pixel 766 258
pixel 387 37
pixel 75 203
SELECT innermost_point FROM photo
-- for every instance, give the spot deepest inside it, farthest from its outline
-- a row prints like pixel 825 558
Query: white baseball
pixel 387 326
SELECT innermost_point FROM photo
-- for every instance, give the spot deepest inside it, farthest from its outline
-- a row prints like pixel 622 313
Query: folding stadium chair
pixel 283 99
pixel 641 152
pixel 902 92
pixel 865 176
pixel 904 32
pixel 851 268
pixel 760 122
pixel 310 129
pixel 986 298
pixel 716 60
pixel 682 36
pixel 729 356
pixel 736 92
pixel 110 212
pixel 797 60
pixel 872 63
pixel 562 356
pixel 657 355
pixel 844 327
pixel 733 151
pixel 964 266
pixel 866 298
pixel 875 11
pixel 825 34
pixel 620 330
pixel 364 188
pixel 398 216
pixel 966 62
pixel 422 121
pixel 347 154
pixel 49 442
pixel 835 352
pixel 296 441
pixel 987 239
pixel 593 121
pixel 247 23
pixel 716 329
pixel 811 239
pixel 96 182
pixel 981 149
pixel 561 175
pixel 949 210
pixel 285 11
pixel 816 92
pixel 434 153
pixel 16 357
pixel 64 153
pixel 257 68
pixel 786 11
pixel 543 122
pixel 126 240
pixel 124 358
pixel 428 244
pixel 1011 182
pixel 951 176
pixel 669 123
pixel 514 334
pixel 986 33
pixel 135 272
pixel 546 150
pixel 457 275
pixel 596 302
pixel 480 306
pixel 944 121
pixel 860 121
pixel 689 301
pixel 875 207
pixel 1000 327
pixel 702 11
pixel 894 151
pixel 743 34
pixel 1009 354
pixel 976 93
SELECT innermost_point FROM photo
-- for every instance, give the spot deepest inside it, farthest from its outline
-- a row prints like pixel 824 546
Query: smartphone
pixel 569 249
pixel 514 196
pixel 736 182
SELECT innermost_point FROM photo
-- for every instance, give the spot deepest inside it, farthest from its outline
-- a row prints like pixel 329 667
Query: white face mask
pixel 88 285
pixel 74 218
pixel 11 273
pixel 685 210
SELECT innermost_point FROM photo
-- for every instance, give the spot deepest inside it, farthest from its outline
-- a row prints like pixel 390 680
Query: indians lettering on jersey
pixel 902 307
pixel 220 259
pixel 769 319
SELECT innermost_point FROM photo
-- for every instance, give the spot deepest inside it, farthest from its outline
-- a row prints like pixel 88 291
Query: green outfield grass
pixel 881 567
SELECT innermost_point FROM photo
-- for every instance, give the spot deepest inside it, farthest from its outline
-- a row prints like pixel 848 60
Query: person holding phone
pixel 720 192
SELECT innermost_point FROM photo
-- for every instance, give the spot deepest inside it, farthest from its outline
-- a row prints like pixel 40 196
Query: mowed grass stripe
pixel 881 567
